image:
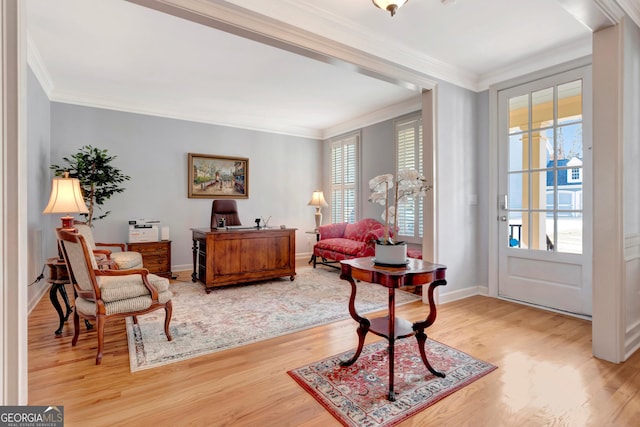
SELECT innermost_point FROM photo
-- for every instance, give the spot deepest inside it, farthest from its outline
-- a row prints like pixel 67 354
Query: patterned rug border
pixel 137 350
pixel 372 349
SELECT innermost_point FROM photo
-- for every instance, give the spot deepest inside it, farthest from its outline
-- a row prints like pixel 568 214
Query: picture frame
pixel 218 177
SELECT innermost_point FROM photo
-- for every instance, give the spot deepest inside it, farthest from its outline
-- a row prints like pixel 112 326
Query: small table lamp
pixel 317 200
pixel 66 198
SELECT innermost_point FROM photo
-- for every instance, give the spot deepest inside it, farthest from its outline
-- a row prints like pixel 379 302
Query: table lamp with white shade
pixel 317 200
pixel 66 198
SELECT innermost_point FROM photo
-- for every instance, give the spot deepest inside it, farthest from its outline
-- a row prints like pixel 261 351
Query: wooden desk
pixel 416 273
pixel 226 257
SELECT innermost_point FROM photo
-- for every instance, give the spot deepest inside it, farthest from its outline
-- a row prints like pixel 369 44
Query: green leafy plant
pixel 98 178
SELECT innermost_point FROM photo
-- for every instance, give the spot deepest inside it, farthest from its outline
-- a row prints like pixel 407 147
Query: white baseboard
pixel 36 297
pixel 445 297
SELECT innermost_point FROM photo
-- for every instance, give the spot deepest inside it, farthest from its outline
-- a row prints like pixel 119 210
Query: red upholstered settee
pixel 344 240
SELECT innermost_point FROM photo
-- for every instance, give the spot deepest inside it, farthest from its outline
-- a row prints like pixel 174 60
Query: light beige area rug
pixel 238 315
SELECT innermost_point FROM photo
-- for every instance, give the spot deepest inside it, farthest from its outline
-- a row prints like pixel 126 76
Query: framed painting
pixel 218 177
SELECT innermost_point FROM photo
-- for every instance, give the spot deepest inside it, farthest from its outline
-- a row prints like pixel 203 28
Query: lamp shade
pixel 66 197
pixel 317 199
pixel 389 5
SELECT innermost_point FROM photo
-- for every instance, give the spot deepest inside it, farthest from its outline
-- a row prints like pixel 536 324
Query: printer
pixel 144 230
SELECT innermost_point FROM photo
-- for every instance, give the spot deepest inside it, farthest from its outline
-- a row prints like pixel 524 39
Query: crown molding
pixel 223 118
pixel 632 8
pixel 35 62
pixel 611 9
pixel 594 14
pixel 577 49
pixel 383 114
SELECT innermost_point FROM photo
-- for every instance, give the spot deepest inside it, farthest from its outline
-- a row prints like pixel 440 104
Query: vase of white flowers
pixel 388 191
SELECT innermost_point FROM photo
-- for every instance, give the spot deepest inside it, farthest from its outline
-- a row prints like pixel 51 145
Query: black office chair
pixel 226 209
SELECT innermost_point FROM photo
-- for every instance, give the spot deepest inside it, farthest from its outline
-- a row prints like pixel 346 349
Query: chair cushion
pixel 88 307
pixel 116 288
pixel 127 260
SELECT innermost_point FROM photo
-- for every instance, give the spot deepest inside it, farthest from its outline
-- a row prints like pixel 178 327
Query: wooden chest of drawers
pixel 156 256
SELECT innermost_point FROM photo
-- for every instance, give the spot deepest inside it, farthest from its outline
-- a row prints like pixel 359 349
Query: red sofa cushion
pixel 345 246
pixel 364 230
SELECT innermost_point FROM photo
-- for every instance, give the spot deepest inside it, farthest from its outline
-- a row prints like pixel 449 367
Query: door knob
pixel 503 218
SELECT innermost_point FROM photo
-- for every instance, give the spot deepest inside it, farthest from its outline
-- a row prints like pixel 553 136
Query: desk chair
pixel 226 209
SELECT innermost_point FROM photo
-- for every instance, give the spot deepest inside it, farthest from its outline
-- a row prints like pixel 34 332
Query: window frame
pixel 339 185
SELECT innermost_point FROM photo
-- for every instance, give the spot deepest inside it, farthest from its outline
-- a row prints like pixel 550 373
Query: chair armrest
pixel 104 252
pixel 332 231
pixel 373 235
pixel 118 245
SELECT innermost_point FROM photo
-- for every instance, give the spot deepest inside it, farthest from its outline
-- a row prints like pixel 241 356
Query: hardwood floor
pixel 546 375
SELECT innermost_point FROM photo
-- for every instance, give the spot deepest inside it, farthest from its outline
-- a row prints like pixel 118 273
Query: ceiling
pixel 122 55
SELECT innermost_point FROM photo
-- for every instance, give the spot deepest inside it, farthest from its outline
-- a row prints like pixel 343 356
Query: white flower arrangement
pixel 409 183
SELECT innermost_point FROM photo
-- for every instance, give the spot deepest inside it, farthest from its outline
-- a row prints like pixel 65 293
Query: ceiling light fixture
pixel 389 5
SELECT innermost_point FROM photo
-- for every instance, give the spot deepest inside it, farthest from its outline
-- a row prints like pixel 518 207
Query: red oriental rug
pixel 357 395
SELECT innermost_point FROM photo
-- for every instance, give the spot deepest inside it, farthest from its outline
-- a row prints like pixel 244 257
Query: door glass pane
pixel 570 102
pixel 539 189
pixel 570 232
pixel 570 142
pixel 542 149
pixel 519 114
pixel 540 230
pixel 515 229
pixel 542 108
pixel 518 152
pixel 569 199
pixel 551 194
pixel 518 191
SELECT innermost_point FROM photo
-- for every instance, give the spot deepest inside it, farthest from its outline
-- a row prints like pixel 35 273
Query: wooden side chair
pixel 120 260
pixel 110 294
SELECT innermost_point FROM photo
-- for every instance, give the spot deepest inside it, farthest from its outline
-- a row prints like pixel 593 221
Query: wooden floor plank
pixel 546 374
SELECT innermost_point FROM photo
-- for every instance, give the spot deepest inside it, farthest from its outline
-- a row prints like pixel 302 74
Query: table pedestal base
pixel 417 273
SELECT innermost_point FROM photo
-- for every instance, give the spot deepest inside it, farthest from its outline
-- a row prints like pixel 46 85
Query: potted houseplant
pixel 99 179
pixel 388 192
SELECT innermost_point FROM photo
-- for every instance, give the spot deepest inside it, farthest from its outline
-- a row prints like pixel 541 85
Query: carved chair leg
pixel 168 308
pixel 76 327
pixel 100 321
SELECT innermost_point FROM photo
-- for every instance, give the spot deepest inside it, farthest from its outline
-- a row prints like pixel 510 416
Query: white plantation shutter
pixel 344 172
pixel 408 133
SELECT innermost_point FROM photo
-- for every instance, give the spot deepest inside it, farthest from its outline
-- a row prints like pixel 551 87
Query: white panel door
pixel 544 189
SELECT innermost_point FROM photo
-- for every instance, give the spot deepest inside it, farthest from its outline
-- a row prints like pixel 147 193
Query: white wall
pixel 40 234
pixel 457 238
pixel 283 172
pixel 631 186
